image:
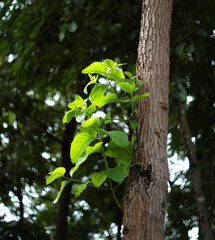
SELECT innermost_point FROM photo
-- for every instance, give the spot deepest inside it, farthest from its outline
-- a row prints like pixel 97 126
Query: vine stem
pixel 111 185
pixel 90 185
pixel 132 106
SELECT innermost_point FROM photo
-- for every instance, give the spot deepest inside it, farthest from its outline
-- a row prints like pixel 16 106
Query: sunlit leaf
pixel 129 74
pixel 58 172
pixel 97 92
pixel 93 149
pixel 115 73
pixel 95 67
pixel 91 109
pixel 77 103
pixel 69 115
pixel 127 87
pixel 80 117
pixel 92 122
pixel 79 161
pixel 77 189
pixel 98 178
pixel 63 185
pixel 109 63
pixel 106 99
pixel 93 81
pixel 84 156
pixel 79 144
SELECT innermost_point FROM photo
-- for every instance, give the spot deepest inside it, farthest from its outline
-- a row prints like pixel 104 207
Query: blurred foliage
pixel 44 45
pixel 192 78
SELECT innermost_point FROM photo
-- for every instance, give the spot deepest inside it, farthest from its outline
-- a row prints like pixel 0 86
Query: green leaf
pixel 125 99
pixel 133 124
pixel 91 109
pixel 72 26
pixel 79 144
pixel 139 83
pixel 69 115
pixel 95 67
pixel 77 103
pixel 107 118
pixel 117 152
pixel 129 74
pixel 98 178
pixel 92 122
pixel 93 81
pixel 63 185
pixel 61 35
pixel 36 29
pixel 58 172
pixel 84 156
pixel 97 92
pixel 115 73
pixel 117 174
pixel 109 63
pixel 120 80
pixel 101 131
pixel 96 148
pixel 119 137
pixel 133 139
pixel 77 189
pixel 127 87
pixel 79 161
pixel 90 131
pixel 80 117
pixel 125 162
pixel 106 99
pixel 139 97
pixel 179 49
pixel 121 64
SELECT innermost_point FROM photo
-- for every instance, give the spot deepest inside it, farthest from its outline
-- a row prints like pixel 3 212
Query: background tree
pixel 192 74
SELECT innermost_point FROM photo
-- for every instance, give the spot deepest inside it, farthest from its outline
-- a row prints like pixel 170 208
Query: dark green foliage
pixel 192 74
pixel 44 45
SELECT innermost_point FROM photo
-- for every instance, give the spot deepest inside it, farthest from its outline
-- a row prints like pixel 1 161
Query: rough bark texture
pixel 64 201
pixel 146 191
pixel 195 174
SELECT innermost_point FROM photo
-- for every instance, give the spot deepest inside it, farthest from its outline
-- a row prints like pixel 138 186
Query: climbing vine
pixel 110 85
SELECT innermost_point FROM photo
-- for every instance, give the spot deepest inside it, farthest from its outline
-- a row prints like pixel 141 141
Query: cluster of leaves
pixel 93 129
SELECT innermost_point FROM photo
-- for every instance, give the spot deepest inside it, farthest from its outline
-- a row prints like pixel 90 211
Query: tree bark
pixel 64 201
pixel 195 174
pixel 146 190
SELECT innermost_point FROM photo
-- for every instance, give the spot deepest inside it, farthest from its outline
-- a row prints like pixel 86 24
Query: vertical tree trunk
pixel 64 201
pixel 195 174
pixel 146 191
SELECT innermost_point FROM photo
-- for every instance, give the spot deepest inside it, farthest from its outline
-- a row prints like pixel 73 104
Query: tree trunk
pixel 64 201
pixel 195 174
pixel 146 191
